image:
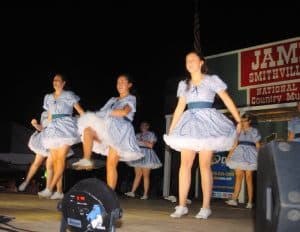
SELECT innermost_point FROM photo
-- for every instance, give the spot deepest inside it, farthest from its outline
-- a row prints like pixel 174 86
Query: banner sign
pixel 271 74
pixel 223 177
pixel 275 94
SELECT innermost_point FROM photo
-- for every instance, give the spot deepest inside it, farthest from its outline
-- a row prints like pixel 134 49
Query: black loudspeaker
pixel 90 205
pixel 278 187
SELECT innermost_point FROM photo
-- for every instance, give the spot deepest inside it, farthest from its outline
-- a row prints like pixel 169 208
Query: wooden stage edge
pixel 41 215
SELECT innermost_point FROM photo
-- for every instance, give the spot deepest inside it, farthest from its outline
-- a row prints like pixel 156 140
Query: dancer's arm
pixel 178 112
pixel 79 109
pixel 148 144
pixel 121 112
pixel 231 107
pixel 151 140
pixel 230 153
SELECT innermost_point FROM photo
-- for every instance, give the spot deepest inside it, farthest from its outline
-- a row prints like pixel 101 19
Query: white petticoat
pixel 115 132
pixel 35 144
pixel 202 129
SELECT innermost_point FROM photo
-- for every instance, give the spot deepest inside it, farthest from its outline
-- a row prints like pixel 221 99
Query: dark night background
pixel 92 45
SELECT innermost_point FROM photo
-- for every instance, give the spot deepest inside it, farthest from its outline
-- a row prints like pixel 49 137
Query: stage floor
pixel 39 215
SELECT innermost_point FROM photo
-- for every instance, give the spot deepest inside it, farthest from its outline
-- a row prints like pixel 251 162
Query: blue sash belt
pixel 144 147
pixel 199 105
pixel 247 143
pixel 297 135
pixel 127 119
pixel 54 116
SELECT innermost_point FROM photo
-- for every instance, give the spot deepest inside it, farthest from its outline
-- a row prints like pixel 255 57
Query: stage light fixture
pixel 90 205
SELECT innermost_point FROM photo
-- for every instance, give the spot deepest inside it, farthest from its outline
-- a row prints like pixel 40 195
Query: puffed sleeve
pixel 106 109
pixel 72 98
pixel 181 90
pixel 46 102
pixel 138 136
pixel 131 101
pixel 217 84
pixel 152 137
pixel 108 104
pixel 255 135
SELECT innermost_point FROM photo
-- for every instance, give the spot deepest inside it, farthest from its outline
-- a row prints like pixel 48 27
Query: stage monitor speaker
pixel 90 205
pixel 278 187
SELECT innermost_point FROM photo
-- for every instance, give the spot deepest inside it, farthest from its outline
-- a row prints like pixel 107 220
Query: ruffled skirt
pixel 244 157
pixel 202 129
pixel 35 144
pixel 59 132
pixel 115 132
pixel 150 160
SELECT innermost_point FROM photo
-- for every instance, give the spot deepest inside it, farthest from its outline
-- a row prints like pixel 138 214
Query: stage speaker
pixel 278 187
pixel 90 205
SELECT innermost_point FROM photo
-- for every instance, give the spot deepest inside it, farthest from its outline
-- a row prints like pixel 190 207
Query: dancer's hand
pixel 34 122
pixel 228 158
pixel 238 128
pixel 36 125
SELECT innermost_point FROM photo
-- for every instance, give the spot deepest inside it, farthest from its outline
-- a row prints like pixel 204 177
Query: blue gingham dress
pixel 202 128
pixel 150 159
pixel 63 130
pixel 35 140
pixel 115 132
pixel 294 127
pixel 244 156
